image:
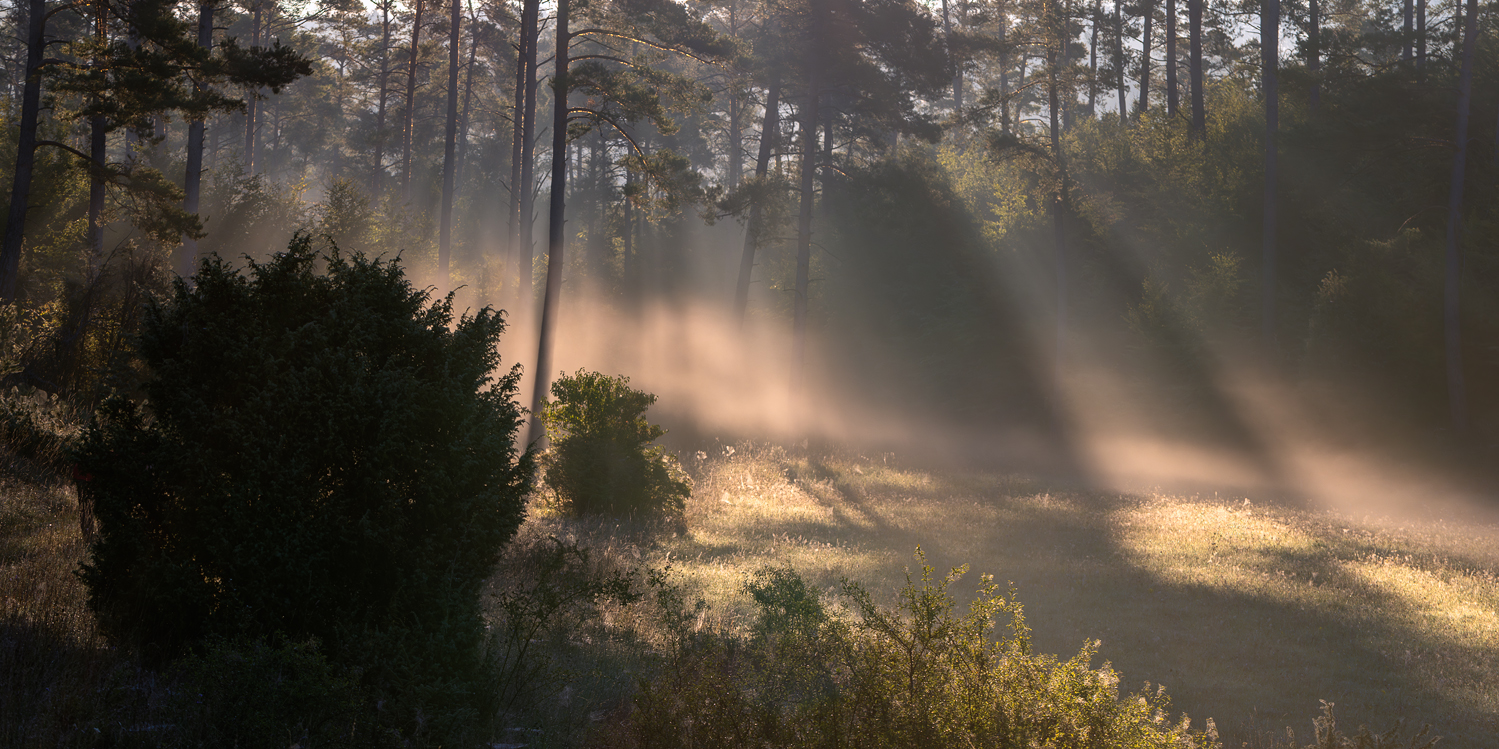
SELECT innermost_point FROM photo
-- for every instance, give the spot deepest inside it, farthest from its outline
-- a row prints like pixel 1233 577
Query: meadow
pixel 1248 613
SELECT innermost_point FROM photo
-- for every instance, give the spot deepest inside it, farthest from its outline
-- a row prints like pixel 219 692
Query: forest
pixel 1102 269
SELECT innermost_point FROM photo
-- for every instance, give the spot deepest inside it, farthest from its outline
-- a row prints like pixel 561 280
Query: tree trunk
pixel 1119 61
pixel 20 192
pixel 1004 75
pixel 449 155
pixel 1146 40
pixel 770 128
pixel 406 137
pixel 1408 38
pixel 1194 68
pixel 98 153
pixel 193 180
pixel 1172 95
pixel 252 101
pixel 1053 95
pixel 1270 46
pixel 808 167
pixel 1093 60
pixel 1451 309
pixel 526 305
pixel 377 182
pixel 468 101
pixel 1420 34
pixel 1314 51
pixel 556 235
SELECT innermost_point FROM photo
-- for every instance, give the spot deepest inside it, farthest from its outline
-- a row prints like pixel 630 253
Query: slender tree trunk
pixel 556 234
pixel 1270 46
pixel 377 181
pixel 769 131
pixel 406 136
pixel 1053 95
pixel 524 273
pixel 736 138
pixel 1147 39
pixel 193 180
pixel 1420 34
pixel 468 101
pixel 449 154
pixel 98 153
pixel 1119 61
pixel 1451 309
pixel 1194 68
pixel 1408 38
pixel 1314 53
pixel 1004 74
pixel 1093 60
pixel 252 101
pixel 518 133
pixel 808 167
pixel 1172 94
pixel 20 191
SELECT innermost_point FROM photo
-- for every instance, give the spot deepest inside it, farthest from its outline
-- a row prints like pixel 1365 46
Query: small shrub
pixel 602 460
pixel 917 675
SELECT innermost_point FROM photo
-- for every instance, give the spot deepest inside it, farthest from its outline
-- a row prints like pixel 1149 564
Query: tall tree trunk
pixel 1408 38
pixel 1093 60
pixel 518 134
pixel 1270 50
pixel 556 234
pixel 1004 73
pixel 20 191
pixel 1451 309
pixel 808 167
pixel 98 153
pixel 192 182
pixel 1420 34
pixel 1172 94
pixel 769 130
pixel 1146 40
pixel 1119 61
pixel 468 100
pixel 524 274
pixel 377 181
pixel 449 154
pixel 1194 68
pixel 1314 53
pixel 406 136
pixel 252 101
pixel 1053 95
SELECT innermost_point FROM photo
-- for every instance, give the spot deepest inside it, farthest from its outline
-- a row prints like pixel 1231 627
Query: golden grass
pixel 1249 614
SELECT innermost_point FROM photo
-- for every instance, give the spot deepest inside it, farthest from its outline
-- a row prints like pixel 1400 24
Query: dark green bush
pixel 320 455
pixel 602 460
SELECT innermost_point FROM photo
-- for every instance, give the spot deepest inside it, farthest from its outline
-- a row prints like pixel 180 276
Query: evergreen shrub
pixel 602 460
pixel 322 453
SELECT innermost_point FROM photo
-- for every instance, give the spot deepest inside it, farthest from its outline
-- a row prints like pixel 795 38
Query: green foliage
pixel 916 675
pixel 320 454
pixel 299 698
pixel 601 460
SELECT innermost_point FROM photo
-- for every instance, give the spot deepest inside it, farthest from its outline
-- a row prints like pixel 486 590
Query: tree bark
pixel 1093 60
pixel 1119 61
pixel 1451 308
pixel 1420 34
pixel 1270 50
pixel 98 153
pixel 192 181
pixel 556 235
pixel 468 100
pixel 1053 95
pixel 1406 41
pixel 526 242
pixel 252 100
pixel 1194 68
pixel 1314 53
pixel 449 154
pixel 416 32
pixel 1172 94
pixel 769 130
pixel 1146 40
pixel 377 181
pixel 20 192
pixel 808 167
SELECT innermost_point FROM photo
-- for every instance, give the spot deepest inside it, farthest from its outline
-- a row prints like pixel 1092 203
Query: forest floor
pixel 1248 614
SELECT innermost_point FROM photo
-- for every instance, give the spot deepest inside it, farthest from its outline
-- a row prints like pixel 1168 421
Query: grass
pixel 1249 614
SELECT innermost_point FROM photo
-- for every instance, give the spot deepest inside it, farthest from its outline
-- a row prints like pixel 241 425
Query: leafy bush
pixel 917 675
pixel 601 459
pixel 320 455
